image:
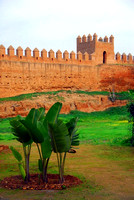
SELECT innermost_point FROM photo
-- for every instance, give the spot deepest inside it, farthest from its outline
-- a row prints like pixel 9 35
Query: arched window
pixel 104 57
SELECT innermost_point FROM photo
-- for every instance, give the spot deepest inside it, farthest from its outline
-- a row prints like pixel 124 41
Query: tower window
pixel 104 57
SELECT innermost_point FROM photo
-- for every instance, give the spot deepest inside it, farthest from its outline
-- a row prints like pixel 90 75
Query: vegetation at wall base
pixel 121 95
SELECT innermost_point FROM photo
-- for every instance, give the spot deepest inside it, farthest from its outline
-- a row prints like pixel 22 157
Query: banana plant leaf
pixel 35 115
pixel 75 140
pixel 53 113
pixel 31 121
pixel 20 131
pixel 46 144
pixel 16 154
pixel 22 171
pixel 71 125
pixel 41 113
pixel 34 132
pixel 60 139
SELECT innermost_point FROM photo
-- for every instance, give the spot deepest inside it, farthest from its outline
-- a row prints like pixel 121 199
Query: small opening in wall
pixel 52 59
pixel 80 60
pixel 104 57
pixel 3 55
pixel 66 59
pixel 36 58
pixel 13 108
pixel 20 57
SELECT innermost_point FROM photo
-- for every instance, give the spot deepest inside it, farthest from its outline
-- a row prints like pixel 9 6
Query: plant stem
pixel 45 170
pixel 61 169
pixel 56 151
pixel 25 156
pixel 28 158
pixel 39 152
pixel 64 161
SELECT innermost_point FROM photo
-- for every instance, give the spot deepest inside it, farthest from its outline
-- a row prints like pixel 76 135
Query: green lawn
pixel 107 127
pixel 106 171
pixel 102 162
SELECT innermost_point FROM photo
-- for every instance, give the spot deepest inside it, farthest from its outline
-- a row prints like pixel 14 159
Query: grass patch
pixel 92 93
pixel 106 172
pixel 127 95
pixel 122 95
pixel 28 96
pixel 107 127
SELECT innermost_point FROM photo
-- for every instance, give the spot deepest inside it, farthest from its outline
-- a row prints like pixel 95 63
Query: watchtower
pixel 102 49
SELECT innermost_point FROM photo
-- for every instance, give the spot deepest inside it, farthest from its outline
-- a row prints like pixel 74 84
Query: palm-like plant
pixel 49 133
pixel 23 136
pixel 35 123
pixel 63 137
pixel 60 142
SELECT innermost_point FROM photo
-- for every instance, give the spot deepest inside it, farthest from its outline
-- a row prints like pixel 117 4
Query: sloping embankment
pixel 74 101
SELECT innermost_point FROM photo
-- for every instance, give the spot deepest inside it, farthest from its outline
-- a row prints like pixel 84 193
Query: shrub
pixel 50 134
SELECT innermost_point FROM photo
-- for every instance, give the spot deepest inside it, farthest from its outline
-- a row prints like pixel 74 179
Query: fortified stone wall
pixel 21 74
pixel 25 77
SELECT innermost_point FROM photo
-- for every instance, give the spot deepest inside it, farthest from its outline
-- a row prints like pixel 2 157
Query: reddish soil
pixel 3 147
pixel 73 101
pixel 16 182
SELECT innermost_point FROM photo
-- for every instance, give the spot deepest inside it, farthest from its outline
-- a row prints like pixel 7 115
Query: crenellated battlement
pixel 124 58
pixel 81 57
pixel 91 38
pixel 28 55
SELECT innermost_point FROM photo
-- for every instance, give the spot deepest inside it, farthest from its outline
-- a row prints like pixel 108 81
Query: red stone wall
pixel 28 77
pixel 18 77
pixel 117 77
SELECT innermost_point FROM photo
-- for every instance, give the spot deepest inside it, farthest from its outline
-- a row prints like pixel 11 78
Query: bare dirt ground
pixel 74 101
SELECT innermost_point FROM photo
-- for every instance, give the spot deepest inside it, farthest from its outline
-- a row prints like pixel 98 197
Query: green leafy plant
pixel 63 137
pixel 18 157
pixel 50 134
pixel 60 141
pixel 22 135
pixel 35 123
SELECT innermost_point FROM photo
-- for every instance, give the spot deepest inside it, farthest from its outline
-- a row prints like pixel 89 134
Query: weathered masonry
pixel 93 67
